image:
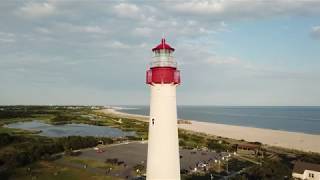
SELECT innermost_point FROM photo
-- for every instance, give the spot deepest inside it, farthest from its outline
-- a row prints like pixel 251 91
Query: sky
pixel 230 52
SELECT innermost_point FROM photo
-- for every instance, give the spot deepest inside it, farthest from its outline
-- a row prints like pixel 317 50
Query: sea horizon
pixel 302 119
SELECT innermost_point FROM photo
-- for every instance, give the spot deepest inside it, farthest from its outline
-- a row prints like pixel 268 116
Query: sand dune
pixel 292 140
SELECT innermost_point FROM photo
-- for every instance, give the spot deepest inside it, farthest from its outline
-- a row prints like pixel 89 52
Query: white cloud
pixel 7 37
pixel 42 30
pixel 200 7
pixel 68 27
pixel 7 40
pixel 233 62
pixel 93 29
pixel 315 32
pixel 222 60
pixel 37 10
pixel 205 30
pixel 117 45
pixel 143 31
pixel 245 9
pixel 127 10
pixel 7 34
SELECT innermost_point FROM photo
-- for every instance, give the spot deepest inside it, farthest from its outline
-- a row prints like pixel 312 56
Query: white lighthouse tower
pixel 163 146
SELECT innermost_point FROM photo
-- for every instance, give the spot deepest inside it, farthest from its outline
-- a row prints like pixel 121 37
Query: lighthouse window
pixel 152 121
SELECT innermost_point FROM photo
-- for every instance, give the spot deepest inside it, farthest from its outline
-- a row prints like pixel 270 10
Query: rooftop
pixel 163 45
pixel 300 167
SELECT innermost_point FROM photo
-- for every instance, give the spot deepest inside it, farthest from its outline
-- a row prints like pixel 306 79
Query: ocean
pixel 305 119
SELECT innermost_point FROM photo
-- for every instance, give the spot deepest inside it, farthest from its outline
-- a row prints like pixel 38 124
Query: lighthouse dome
pixel 163 45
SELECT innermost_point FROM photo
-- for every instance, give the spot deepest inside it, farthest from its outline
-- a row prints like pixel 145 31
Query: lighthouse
pixel 163 77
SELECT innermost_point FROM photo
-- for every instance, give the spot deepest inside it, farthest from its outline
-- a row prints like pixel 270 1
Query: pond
pixel 70 129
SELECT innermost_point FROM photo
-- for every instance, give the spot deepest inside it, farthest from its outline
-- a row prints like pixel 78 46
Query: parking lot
pixel 135 153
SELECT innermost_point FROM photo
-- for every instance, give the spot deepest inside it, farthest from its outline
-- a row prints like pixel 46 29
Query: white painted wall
pixel 163 146
pixel 297 176
pixel 315 174
pixel 305 175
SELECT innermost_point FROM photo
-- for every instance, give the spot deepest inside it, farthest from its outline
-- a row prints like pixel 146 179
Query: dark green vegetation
pixel 19 147
pixel 17 150
pixel 125 124
pixel 191 140
pixel 140 169
pixel 270 169
pixel 50 114
pixel 309 157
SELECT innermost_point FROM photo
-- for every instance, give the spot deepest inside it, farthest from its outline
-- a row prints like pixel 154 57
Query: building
pixel 163 161
pixel 306 171
pixel 248 149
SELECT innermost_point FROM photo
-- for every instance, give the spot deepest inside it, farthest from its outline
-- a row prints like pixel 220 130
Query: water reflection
pixel 70 129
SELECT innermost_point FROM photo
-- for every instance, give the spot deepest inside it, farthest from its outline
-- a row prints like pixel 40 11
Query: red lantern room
pixel 163 68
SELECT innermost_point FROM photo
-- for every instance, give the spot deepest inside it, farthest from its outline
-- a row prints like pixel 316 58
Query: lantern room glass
pixel 163 58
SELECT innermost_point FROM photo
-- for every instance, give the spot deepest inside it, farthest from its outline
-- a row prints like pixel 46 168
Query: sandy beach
pixel 125 115
pixel 291 140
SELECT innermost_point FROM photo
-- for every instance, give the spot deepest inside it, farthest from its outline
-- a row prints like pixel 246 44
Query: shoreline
pixel 280 138
pixel 112 111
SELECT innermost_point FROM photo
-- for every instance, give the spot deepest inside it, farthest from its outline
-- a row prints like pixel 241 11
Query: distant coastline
pixel 291 140
pixel 303 119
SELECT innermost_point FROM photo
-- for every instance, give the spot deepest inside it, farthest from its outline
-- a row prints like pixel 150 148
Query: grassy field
pixel 125 124
pixel 52 171
pixel 89 162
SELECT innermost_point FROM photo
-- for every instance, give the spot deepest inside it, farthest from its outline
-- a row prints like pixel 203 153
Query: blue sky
pixel 96 52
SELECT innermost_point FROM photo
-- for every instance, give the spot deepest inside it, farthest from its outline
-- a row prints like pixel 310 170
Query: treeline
pixel 219 145
pixel 309 157
pixel 18 151
pixel 190 141
pixel 270 169
pixel 24 111
pixel 7 112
